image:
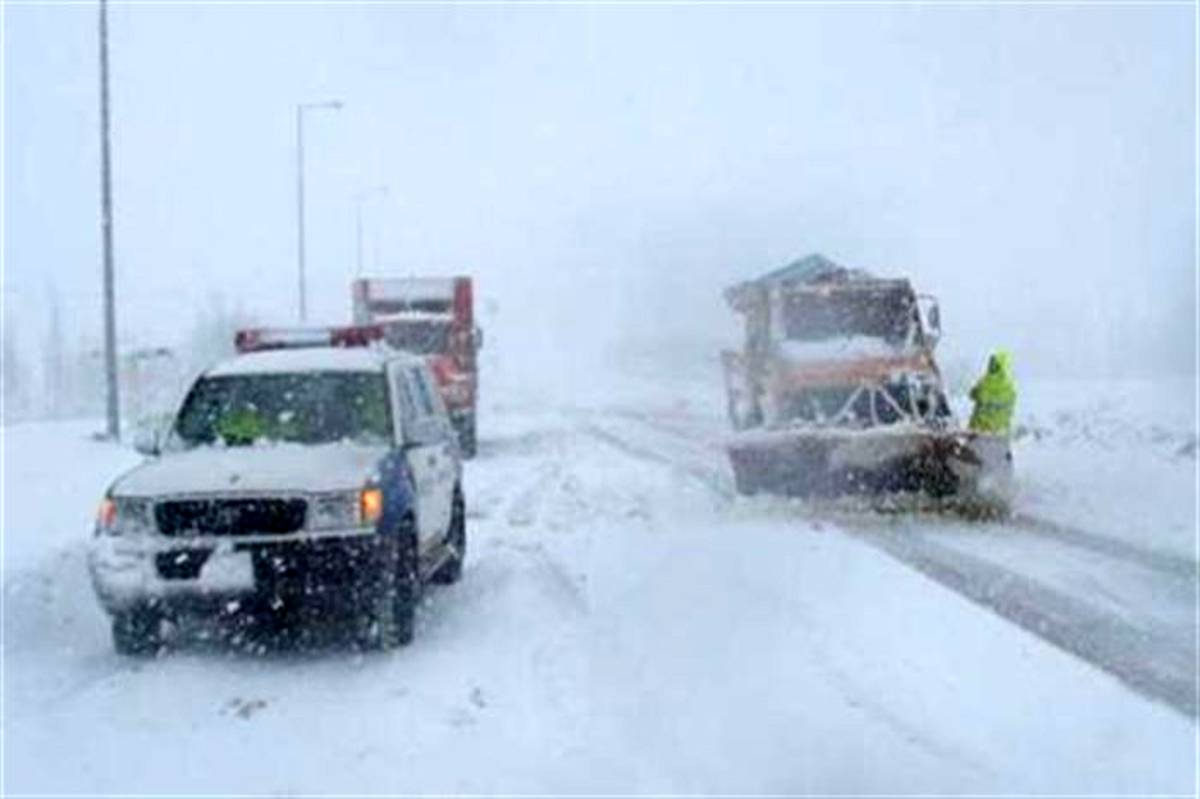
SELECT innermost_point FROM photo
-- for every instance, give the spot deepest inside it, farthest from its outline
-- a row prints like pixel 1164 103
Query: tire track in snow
pixel 1151 662
pixel 1144 657
pixel 830 656
pixel 520 504
pixel 1157 560
pixel 872 706
pixel 550 575
pixel 713 480
pixel 524 508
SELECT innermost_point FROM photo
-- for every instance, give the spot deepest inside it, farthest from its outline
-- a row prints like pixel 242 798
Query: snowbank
pixel 1117 458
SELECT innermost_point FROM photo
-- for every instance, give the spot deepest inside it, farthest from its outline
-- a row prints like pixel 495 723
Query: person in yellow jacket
pixel 995 396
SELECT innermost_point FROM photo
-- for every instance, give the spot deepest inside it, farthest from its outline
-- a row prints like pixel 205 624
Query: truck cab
pixel 315 474
pixel 435 318
pixel 826 345
pixel 836 393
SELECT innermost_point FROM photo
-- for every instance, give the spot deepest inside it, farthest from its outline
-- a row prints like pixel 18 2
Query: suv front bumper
pixel 208 574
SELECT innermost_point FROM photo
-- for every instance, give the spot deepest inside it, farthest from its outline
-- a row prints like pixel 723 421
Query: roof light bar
pixel 284 338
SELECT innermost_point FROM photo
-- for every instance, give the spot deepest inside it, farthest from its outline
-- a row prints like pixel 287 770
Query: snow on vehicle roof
pixel 813 272
pixel 842 348
pixel 310 359
pixel 409 288
pixel 414 316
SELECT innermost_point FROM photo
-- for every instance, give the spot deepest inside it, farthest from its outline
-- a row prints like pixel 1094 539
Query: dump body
pixel 433 317
pixel 836 390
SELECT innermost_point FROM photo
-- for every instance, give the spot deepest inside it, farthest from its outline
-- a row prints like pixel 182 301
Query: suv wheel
pixel 408 583
pixel 456 544
pixel 137 632
pixel 393 603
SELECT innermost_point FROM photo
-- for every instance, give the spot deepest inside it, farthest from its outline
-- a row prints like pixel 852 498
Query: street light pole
pixel 106 234
pixel 300 206
pixel 360 200
pixel 332 105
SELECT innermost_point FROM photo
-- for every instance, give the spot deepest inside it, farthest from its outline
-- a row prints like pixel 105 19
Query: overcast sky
pixel 605 171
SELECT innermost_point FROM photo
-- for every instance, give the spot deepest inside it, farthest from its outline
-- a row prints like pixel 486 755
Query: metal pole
pixel 300 208
pixel 300 109
pixel 106 231
pixel 358 237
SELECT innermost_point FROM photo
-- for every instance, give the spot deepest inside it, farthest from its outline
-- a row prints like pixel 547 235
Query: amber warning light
pixel 370 505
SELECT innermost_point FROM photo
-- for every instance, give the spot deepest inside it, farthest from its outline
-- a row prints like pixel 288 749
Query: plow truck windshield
pixel 423 336
pixel 884 315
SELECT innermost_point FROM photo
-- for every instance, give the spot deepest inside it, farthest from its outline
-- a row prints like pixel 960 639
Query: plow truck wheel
pixel 465 427
pixel 744 480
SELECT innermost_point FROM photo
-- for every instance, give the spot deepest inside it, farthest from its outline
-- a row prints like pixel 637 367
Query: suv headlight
pixel 124 515
pixel 342 510
pixel 333 511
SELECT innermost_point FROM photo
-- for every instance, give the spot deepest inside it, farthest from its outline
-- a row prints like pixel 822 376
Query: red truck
pixel 434 317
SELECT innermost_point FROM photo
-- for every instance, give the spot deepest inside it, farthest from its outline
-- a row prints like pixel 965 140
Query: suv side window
pixel 421 396
pixel 417 408
pixel 430 391
pixel 404 401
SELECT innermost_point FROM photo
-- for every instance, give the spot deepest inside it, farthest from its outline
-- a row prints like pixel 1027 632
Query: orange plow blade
pixel 942 466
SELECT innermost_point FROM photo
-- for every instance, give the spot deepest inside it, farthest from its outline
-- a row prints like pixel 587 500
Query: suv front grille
pixel 230 516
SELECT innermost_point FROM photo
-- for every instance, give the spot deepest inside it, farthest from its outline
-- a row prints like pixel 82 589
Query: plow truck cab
pixel 836 392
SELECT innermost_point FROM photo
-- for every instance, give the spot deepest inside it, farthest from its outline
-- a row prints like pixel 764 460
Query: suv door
pixel 420 452
pixel 441 440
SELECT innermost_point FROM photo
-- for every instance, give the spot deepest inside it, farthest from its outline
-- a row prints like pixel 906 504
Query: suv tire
pixel 408 583
pixel 456 544
pixel 137 632
pixel 392 607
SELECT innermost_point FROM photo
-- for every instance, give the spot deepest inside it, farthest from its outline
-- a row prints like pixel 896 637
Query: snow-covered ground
pixel 623 625
pixel 1116 458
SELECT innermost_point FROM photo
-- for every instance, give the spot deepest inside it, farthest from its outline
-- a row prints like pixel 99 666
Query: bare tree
pixel 54 379
pixel 213 331
pixel 14 376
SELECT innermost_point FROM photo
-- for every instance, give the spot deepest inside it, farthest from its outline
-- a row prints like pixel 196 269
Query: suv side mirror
pixel 145 441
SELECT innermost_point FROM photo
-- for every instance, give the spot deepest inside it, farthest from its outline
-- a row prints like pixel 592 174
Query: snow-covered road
pixel 1129 608
pixel 623 625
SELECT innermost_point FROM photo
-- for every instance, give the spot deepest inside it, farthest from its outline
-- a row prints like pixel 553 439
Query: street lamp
pixel 113 403
pixel 360 200
pixel 329 105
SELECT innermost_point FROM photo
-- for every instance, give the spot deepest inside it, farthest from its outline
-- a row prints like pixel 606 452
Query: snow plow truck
pixel 433 317
pixel 836 393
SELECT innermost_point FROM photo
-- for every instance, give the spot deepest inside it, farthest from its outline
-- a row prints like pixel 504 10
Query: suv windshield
pixel 307 408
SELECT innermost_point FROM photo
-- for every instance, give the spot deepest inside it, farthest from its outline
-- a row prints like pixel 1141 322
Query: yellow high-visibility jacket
pixel 995 396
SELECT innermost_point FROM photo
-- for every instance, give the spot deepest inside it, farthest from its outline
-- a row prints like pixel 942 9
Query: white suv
pixel 294 477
